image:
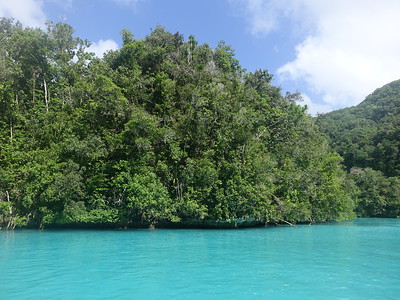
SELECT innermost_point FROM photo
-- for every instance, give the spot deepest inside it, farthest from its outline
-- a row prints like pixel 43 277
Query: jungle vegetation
pixel 367 136
pixel 161 131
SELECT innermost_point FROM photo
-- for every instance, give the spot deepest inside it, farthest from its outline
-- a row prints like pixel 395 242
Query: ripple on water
pixel 351 260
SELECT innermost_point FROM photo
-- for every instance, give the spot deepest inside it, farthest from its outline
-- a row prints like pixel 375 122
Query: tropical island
pixel 169 132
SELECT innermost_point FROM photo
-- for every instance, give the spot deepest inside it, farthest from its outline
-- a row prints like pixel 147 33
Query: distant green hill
pixel 368 138
pixel 368 135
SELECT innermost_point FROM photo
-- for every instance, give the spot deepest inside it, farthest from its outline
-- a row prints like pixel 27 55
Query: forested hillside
pixel 368 138
pixel 164 130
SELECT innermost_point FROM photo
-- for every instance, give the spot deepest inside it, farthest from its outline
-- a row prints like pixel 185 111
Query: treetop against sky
pixel 334 52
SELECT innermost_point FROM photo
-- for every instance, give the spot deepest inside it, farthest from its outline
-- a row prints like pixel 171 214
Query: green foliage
pixel 378 195
pixel 368 137
pixel 161 130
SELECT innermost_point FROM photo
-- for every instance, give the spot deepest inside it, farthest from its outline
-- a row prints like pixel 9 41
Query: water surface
pixel 358 259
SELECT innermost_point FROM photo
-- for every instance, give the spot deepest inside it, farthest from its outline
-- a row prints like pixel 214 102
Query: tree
pixel 162 130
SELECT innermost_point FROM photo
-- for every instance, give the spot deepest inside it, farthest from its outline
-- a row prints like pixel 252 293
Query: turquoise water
pixel 352 260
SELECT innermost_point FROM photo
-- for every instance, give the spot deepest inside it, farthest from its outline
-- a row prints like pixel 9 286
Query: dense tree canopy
pixel 160 131
pixel 368 138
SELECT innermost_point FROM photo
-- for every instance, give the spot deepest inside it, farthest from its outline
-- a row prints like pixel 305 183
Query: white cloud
pixel 314 108
pixel 102 47
pixel 351 47
pixel 260 14
pixel 28 12
pixel 264 16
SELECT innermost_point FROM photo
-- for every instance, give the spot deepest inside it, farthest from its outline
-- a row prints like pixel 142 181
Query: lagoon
pixel 357 259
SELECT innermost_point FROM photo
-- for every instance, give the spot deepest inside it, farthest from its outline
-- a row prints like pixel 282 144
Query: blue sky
pixel 334 52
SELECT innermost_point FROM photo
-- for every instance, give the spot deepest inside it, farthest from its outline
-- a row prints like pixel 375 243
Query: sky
pixel 334 53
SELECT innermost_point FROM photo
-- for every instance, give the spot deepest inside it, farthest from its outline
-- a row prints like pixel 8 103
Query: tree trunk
pixel 11 130
pixel 33 88
pixel 46 95
pixel 10 223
